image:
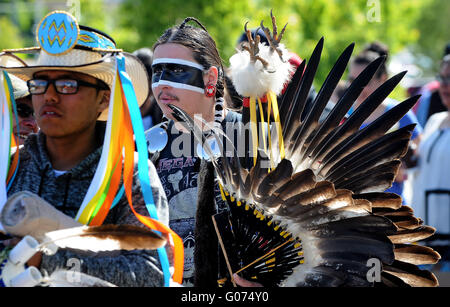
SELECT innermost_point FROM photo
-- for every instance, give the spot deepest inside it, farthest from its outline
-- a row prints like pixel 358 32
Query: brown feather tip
pixel 105 238
pixel 416 254
pixel 412 235
pixel 382 200
pixel 411 274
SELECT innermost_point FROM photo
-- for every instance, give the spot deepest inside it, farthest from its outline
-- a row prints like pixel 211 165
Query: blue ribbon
pixel 118 196
pixel 141 144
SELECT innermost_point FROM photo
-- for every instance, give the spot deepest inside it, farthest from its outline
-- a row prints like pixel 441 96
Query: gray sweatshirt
pixel 66 192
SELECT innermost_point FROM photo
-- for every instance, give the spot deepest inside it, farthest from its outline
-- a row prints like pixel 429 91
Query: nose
pixel 30 123
pixel 159 88
pixel 51 96
pixel 162 77
pixel 163 74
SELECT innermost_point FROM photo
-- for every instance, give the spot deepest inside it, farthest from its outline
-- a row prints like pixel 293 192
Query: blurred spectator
pixel 358 64
pixel 339 91
pixel 431 101
pixel 432 175
pixel 151 113
pixel 26 121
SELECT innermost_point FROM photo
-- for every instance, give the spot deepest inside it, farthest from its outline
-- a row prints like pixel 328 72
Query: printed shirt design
pixel 179 179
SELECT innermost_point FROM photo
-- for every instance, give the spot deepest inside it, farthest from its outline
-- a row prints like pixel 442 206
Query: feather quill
pixel 336 115
pixel 344 133
pixel 64 278
pixel 324 95
pixel 104 238
pixel 294 118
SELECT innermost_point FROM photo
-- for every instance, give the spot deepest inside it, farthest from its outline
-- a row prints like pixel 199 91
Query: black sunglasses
pixel 62 86
pixel 24 110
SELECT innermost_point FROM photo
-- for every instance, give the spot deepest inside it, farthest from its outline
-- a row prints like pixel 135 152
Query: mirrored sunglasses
pixel 62 86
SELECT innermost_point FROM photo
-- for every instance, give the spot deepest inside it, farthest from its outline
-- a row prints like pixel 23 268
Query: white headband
pixel 177 61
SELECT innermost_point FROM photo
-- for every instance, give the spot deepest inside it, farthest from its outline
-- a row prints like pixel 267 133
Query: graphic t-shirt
pixel 178 167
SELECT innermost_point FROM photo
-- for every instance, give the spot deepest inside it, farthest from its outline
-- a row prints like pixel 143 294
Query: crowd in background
pixel 424 178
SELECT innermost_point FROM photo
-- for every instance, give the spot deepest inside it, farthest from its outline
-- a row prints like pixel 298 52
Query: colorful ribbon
pixel 9 141
pixel 143 171
pixel 117 161
pixel 94 202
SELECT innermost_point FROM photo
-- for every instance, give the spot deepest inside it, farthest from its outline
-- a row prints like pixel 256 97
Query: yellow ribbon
pixel 272 98
pixel 273 105
pixel 253 128
pixel 263 127
pixel 114 153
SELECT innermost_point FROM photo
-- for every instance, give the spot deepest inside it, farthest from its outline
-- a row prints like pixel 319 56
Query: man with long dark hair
pixel 188 73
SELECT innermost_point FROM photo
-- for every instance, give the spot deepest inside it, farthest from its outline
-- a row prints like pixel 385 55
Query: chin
pixel 52 132
pixel 168 114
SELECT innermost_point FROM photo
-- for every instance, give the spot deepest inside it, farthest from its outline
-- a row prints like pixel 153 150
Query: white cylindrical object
pixel 24 250
pixel 28 278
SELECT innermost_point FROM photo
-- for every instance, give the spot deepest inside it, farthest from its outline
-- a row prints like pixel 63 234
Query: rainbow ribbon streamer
pixel 9 161
pixel 117 161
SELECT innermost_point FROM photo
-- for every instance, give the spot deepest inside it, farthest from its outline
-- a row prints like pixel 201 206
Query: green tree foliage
pixel 434 30
pixel 341 22
pixel 10 34
pixel 223 19
pixel 421 25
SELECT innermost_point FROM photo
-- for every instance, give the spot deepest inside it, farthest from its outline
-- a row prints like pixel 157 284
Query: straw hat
pixel 20 87
pixel 65 45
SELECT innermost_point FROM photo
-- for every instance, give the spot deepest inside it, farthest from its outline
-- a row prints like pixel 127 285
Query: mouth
pixel 49 113
pixel 167 98
pixel 23 135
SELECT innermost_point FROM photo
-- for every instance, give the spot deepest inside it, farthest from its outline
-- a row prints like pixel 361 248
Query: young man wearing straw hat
pixel 72 85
